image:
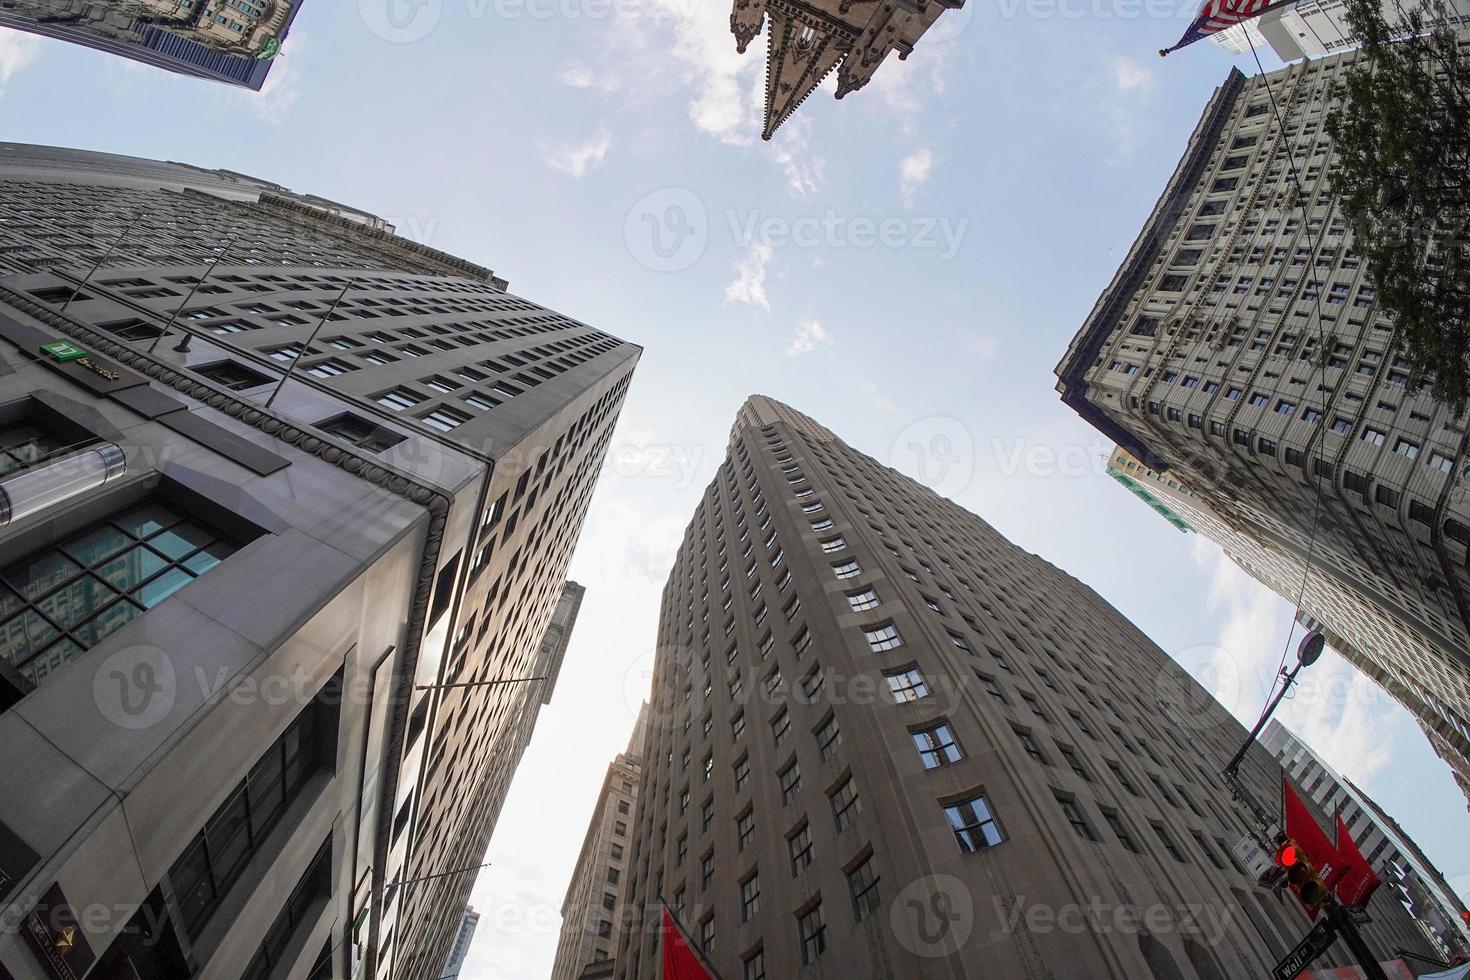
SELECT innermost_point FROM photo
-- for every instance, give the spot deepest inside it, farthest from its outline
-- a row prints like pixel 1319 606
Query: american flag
pixel 1218 15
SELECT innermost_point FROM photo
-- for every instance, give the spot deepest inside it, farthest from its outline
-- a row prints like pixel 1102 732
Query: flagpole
pixel 300 353
pixel 105 256
pixel 1199 20
pixel 184 344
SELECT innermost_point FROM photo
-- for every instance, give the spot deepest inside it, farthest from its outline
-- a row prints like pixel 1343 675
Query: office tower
pixel 807 39
pixel 231 41
pixel 885 740
pixel 1314 28
pixel 1240 349
pixel 593 911
pixel 257 568
pixel 463 936
pixel 1408 874
pixel 1326 603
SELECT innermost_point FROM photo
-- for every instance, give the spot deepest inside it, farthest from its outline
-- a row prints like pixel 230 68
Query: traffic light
pixel 1302 877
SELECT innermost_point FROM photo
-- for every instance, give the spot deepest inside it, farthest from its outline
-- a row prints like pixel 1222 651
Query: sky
pixel 906 265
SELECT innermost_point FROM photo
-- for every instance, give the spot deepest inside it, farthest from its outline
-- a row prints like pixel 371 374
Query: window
pixel 750 899
pixel 1373 435
pixel 1441 462
pixel 829 736
pixel 813 933
pixel 799 846
pixel 847 569
pixel 744 829
pixel 780 725
pixel 906 685
pixel 862 882
pixel 845 804
pixel 937 746
pixel 232 375
pixel 445 418
pixel 973 824
pixel 329 368
pixel 1168 842
pixel 217 856
pixel 960 643
pixel 742 772
pixel 66 599
pixel 754 967
pixel 866 599
pixel 1120 829
pixel 367 436
pixel 399 399
pixel 882 637
pixel 315 885
pixel 993 689
pixel 1406 448
pixel 790 779
pixel 833 544
pixel 1074 816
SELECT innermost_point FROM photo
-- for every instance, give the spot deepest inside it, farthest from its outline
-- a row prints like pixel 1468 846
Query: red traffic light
pixel 1287 856
pixel 1465 914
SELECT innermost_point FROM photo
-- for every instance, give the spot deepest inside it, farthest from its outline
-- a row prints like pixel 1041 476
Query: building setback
pixel 1240 348
pixel 886 742
pixel 231 41
pixel 1408 875
pixel 243 614
pixel 593 911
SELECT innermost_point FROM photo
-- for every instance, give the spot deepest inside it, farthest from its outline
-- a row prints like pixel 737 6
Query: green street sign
pixel 63 351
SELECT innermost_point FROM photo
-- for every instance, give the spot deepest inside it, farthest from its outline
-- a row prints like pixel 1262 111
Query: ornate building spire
pixel 806 39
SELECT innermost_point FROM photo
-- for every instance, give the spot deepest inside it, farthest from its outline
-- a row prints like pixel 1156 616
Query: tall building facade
pixel 1240 348
pixel 463 936
pixel 1326 603
pixel 593 911
pixel 807 39
pixel 281 490
pixel 886 742
pixel 1314 28
pixel 1406 871
pixel 231 41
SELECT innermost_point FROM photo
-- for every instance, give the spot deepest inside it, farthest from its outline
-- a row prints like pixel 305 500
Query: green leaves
pixel 1402 135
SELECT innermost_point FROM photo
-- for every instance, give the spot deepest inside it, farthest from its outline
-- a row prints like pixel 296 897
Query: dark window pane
pixel 9 602
pixel 132 568
pixel 209 557
pixel 41 574
pixel 93 546
pixel 109 621
pixel 73 603
pixel 162 587
pixel 146 520
pixel 24 635
pixel 179 541
pixel 55 657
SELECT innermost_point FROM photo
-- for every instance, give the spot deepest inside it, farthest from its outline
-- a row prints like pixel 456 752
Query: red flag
pixel 1339 863
pixel 681 962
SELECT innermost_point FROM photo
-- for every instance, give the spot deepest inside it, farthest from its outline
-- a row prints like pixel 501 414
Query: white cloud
pixel 913 174
pixel 17 50
pixel 580 76
pixel 792 149
pixel 878 399
pixel 1130 76
pixel 586 156
pixel 749 284
pixel 809 333
pixel 277 97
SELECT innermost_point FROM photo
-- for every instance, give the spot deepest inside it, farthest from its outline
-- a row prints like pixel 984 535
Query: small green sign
pixel 63 351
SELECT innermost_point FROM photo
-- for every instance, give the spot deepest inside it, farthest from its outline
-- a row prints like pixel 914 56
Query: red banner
pixel 1339 863
pixel 680 960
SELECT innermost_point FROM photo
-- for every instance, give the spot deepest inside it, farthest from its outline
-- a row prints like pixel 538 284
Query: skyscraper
pixel 259 570
pixel 230 41
pixel 1240 348
pixel 1409 876
pixel 807 39
pixel 463 936
pixel 593 911
pixel 887 741
pixel 1313 28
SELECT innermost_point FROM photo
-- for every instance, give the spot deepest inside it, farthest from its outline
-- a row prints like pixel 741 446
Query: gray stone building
pixel 1408 875
pixel 283 494
pixel 231 41
pixel 593 911
pixel 463 936
pixel 886 742
pixel 1240 349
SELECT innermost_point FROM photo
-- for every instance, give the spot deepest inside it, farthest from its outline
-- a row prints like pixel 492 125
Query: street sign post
pixel 1317 941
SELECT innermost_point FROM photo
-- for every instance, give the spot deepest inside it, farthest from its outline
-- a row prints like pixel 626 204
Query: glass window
pixel 973 823
pixel 68 598
pixel 937 746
